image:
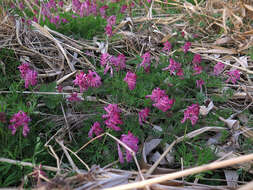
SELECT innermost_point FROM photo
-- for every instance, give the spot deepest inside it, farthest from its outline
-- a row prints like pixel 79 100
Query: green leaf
pixel 11 178
pixel 52 101
pixel 48 87
pixel 5 169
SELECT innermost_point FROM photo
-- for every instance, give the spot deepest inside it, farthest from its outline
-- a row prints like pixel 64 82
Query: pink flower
pixel 23 69
pixel 180 73
pixel 113 117
pixel 38 172
pixel 81 81
pixel 12 5
pixel 143 114
pixel 146 61
pixel 218 68
pixel 175 68
pixel 111 20
pixel 102 11
pixel 192 114
pixel 107 68
pixel 160 99
pixel 108 30
pixel 30 76
pixel 21 6
pixel 19 119
pixel 119 62
pixel 109 61
pixel 149 1
pixel 132 142
pixel 195 36
pixel 74 97
pixel 61 3
pixel 123 8
pixel 233 76
pixel 94 80
pixel 167 46
pixel 186 47
pixel 95 129
pixel 198 69
pixel 84 9
pixel 196 59
pixel 93 8
pixel 64 20
pixel 51 4
pixel 157 93
pixel 35 19
pixel 59 88
pixel 130 79
pixel 164 103
pixel 104 58
pixel 84 81
pixel 55 20
pixel 199 83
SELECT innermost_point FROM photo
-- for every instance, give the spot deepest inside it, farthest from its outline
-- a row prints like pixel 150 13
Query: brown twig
pixel 186 172
pixel 17 162
pixel 74 167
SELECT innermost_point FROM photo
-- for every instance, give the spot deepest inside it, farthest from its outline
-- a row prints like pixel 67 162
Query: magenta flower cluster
pixel 186 47
pixel 85 8
pixel 112 117
pixel 167 46
pixel 191 113
pixel 82 8
pixel 196 64
pixel 18 120
pixel 130 79
pixel 196 59
pixel 146 61
pixel 96 128
pixel 132 142
pixel 218 68
pixel 84 81
pixel 174 68
pixel 143 114
pixel 112 121
pixel 233 76
pixel 74 97
pixel 198 69
pixel 29 75
pixel 110 22
pixel 200 83
pixel 49 10
pixel 102 11
pixel 160 99
pixel 109 62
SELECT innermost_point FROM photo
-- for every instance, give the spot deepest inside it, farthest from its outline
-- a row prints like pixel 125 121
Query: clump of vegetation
pixel 109 98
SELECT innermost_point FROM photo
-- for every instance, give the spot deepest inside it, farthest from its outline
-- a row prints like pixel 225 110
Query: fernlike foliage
pixel 138 91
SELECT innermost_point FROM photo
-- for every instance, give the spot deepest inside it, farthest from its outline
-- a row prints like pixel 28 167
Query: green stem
pixel 20 146
pixel 185 130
